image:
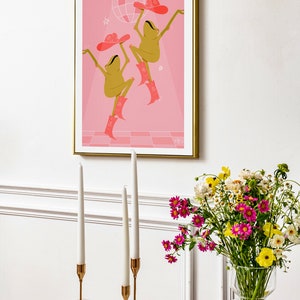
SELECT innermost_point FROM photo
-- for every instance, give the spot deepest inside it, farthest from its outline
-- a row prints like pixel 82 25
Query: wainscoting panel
pixel 38 227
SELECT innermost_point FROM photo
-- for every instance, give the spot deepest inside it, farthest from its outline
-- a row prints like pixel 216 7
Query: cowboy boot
pixel 153 91
pixel 119 107
pixel 144 73
pixel 109 126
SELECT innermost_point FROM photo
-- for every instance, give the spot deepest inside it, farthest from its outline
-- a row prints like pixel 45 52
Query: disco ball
pixel 125 11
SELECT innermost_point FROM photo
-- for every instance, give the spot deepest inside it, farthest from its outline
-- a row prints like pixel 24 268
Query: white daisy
pixel 278 253
pixel 277 241
pixel 291 232
pixel 246 174
pixel 201 190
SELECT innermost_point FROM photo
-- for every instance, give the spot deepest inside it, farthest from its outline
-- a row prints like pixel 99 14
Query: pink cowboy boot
pixel 153 91
pixel 110 126
pixel 144 73
pixel 119 107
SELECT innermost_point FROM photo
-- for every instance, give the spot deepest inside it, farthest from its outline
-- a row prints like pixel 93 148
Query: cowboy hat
pixel 111 40
pixel 152 5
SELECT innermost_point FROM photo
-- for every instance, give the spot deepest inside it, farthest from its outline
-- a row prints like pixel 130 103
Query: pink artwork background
pixel 162 121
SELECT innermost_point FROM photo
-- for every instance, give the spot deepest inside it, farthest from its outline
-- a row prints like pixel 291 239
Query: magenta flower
pixel 246 188
pixel 184 211
pixel 183 230
pixel 198 220
pixel 249 214
pixel 174 201
pixel 264 206
pixel 235 229
pixel 245 230
pixel 170 258
pixel 212 246
pixel 241 207
pixel 184 202
pixel 174 213
pixel 202 247
pixel 250 198
pixel 179 239
pixel 166 245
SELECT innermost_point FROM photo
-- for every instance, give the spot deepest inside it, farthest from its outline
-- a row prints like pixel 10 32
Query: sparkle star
pixel 106 21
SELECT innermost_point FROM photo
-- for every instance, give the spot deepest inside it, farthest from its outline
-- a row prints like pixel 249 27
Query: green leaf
pixel 192 245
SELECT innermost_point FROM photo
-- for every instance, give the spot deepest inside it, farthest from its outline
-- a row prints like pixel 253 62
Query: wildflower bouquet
pixel 252 220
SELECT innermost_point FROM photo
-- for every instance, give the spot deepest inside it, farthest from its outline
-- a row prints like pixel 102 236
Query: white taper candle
pixel 80 220
pixel 125 281
pixel 135 209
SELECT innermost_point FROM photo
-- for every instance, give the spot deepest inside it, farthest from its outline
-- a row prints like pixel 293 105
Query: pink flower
pixel 235 229
pixel 242 230
pixel 212 246
pixel 179 239
pixel 241 207
pixel 198 220
pixel 166 245
pixel 202 247
pixel 246 188
pixel 247 211
pixel 183 230
pixel 250 198
pixel 184 202
pixel 174 201
pixel 184 211
pixel 174 213
pixel 170 258
pixel 245 230
pixel 263 206
pixel 249 214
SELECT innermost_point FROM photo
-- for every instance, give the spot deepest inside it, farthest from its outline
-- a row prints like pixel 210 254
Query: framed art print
pixel 136 77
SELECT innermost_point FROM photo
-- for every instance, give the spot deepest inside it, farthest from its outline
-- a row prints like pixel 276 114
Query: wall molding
pixel 100 208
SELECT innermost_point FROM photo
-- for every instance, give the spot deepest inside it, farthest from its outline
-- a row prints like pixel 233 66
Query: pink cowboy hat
pixel 152 5
pixel 111 40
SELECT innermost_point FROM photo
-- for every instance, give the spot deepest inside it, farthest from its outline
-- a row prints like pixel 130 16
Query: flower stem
pixel 257 286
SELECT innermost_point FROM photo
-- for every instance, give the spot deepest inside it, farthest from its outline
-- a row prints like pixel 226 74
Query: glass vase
pixel 253 283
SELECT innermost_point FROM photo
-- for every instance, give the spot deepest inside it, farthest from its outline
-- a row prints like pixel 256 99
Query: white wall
pixel 249 117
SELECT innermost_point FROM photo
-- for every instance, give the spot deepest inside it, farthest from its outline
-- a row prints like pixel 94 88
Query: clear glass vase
pixel 253 283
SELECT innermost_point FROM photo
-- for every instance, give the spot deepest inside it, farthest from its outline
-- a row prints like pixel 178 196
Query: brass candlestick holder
pixel 135 266
pixel 80 272
pixel 125 292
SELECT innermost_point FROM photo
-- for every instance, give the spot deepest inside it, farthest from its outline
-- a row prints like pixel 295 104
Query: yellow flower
pixel 266 257
pixel 271 229
pixel 227 231
pixel 225 173
pixel 239 197
pixel 212 182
